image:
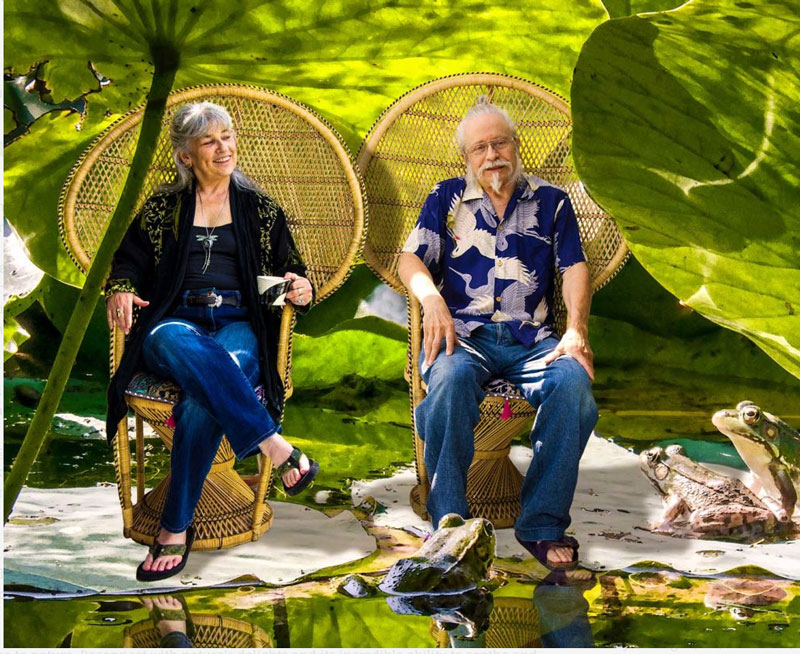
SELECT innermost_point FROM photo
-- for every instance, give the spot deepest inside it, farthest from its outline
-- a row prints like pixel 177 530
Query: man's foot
pixel 278 449
pixel 165 561
pixel 553 554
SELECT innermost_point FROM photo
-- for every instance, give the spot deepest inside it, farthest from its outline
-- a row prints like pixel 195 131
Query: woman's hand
pixel 119 310
pixel 299 290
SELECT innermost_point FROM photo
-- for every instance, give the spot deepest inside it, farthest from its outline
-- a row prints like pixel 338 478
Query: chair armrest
pixel 284 363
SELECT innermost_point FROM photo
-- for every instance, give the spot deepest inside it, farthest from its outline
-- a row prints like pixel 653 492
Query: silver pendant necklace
pixel 209 238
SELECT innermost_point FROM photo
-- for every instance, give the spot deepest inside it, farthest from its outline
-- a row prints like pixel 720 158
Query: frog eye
pixel 751 414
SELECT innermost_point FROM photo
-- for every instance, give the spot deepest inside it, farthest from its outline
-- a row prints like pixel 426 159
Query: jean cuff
pixel 173 530
pixel 253 448
pixel 544 533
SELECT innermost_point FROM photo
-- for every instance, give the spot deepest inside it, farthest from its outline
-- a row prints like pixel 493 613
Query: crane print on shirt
pixel 493 270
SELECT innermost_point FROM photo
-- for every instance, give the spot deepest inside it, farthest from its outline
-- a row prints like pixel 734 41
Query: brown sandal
pixel 540 548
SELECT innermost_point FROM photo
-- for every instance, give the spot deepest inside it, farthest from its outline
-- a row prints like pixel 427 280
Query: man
pixel 481 262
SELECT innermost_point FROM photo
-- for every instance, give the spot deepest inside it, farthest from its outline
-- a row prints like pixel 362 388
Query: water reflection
pixel 555 616
pixel 563 611
pixel 171 625
pixel 465 617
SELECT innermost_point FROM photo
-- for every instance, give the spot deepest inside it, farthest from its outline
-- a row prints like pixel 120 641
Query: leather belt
pixel 211 299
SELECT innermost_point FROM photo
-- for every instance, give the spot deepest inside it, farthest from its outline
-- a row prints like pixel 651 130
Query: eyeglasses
pixel 499 145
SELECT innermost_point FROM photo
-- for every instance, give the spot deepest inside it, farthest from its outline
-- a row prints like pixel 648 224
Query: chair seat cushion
pixel 150 387
pixel 502 388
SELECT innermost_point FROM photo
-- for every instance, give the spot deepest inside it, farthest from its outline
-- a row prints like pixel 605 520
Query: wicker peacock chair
pixel 410 148
pixel 210 631
pixel 304 165
pixel 513 623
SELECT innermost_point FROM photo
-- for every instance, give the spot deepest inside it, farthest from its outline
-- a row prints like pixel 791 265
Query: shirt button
pixel 536 323
pixel 500 263
pixel 500 227
pixel 498 298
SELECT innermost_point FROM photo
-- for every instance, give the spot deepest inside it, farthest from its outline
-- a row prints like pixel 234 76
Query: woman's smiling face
pixel 213 155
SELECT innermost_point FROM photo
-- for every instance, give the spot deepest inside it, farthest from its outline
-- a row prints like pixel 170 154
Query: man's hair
pixel 481 107
pixel 191 121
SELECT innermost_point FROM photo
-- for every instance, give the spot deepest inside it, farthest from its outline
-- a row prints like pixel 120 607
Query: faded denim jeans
pixel 212 353
pixel 566 414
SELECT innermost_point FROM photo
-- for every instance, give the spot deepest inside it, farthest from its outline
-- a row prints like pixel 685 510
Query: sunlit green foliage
pixel 685 131
pixel 347 60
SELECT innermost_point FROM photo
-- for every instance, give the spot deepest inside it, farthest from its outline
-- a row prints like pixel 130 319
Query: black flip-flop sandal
pixel 540 548
pixel 158 549
pixel 293 463
pixel 157 614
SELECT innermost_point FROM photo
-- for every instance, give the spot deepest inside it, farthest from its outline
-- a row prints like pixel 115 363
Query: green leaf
pixel 341 306
pixel 346 59
pixel 362 347
pixel 622 8
pixel 58 301
pixel 14 335
pixel 685 131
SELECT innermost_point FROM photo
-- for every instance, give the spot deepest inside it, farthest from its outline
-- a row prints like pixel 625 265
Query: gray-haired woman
pixel 189 262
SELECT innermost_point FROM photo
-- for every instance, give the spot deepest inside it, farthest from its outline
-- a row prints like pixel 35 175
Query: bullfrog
pixel 770 448
pixel 700 503
pixel 454 559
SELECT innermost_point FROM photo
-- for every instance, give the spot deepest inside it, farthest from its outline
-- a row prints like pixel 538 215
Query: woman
pixel 189 263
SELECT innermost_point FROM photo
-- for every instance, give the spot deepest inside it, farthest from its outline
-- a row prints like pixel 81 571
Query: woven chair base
pixel 514 623
pixel 210 631
pixel 223 517
pixel 493 482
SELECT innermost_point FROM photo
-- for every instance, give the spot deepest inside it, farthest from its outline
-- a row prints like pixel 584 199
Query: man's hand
pixel 119 310
pixel 437 324
pixel 576 344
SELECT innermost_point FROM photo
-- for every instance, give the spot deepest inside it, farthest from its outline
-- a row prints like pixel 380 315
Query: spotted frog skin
pixel 771 449
pixel 700 503
pixel 455 559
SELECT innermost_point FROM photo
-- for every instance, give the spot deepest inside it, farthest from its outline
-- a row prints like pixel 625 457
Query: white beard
pixel 495 182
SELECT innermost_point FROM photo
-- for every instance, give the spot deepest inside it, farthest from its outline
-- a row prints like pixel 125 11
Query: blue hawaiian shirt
pixel 489 270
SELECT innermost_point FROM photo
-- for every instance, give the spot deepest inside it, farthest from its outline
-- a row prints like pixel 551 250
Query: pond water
pixel 359 432
pixel 635 608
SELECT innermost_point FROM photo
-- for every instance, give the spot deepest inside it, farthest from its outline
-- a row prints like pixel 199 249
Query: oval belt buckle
pixel 217 299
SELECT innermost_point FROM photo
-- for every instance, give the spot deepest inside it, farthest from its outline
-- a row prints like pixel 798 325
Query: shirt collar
pixel 474 191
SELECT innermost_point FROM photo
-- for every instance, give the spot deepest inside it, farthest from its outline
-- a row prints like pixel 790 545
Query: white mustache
pixel 497 163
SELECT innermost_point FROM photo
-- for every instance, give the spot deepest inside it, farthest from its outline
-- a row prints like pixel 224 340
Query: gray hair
pixel 193 120
pixel 481 107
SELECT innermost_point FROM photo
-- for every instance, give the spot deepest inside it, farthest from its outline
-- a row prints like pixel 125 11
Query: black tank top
pixel 223 268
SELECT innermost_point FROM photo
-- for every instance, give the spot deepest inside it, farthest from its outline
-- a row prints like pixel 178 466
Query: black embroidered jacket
pixel 151 262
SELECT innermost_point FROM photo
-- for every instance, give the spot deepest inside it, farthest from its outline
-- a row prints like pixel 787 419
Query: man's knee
pixel 454 375
pixel 568 379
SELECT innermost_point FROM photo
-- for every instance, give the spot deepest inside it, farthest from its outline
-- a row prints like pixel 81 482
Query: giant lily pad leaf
pixel 685 131
pixel 622 8
pixel 348 60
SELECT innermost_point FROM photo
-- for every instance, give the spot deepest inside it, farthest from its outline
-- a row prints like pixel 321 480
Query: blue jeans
pixel 566 414
pixel 212 353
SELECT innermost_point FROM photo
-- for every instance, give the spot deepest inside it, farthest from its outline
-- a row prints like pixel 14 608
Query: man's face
pixel 490 150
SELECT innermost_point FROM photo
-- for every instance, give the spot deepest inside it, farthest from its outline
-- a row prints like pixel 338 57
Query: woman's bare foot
pixel 166 603
pixel 278 449
pixel 165 562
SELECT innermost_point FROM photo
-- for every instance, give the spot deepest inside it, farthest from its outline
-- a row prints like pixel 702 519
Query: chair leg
pixel 139 458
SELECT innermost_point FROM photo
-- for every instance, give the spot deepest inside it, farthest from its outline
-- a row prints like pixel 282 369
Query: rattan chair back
pixel 412 146
pixel 299 160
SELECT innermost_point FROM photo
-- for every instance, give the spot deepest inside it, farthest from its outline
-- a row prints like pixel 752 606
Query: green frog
pixel 700 503
pixel 771 449
pixel 454 559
